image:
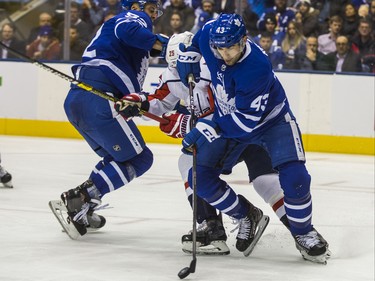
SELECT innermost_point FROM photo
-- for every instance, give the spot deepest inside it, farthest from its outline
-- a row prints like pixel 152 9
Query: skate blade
pixel 89 230
pixel 7 185
pixel 262 225
pixel 218 248
pixel 58 208
pixel 321 259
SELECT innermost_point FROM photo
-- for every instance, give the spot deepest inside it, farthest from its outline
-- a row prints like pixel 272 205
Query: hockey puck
pixel 184 272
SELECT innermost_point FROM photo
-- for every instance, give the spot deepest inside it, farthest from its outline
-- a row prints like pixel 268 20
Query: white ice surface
pixel 141 240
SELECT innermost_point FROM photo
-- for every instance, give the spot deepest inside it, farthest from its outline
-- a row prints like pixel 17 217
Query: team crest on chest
pixel 220 77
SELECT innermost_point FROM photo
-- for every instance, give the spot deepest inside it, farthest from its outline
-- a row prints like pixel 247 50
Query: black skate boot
pixel 313 247
pixel 211 238
pixel 80 203
pixel 250 227
pixel 95 222
pixel 5 178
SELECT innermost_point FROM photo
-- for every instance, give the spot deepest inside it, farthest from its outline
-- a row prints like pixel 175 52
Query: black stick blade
pixel 184 272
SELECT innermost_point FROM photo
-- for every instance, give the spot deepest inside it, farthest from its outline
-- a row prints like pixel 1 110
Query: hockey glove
pixel 163 39
pixel 205 131
pixel 188 63
pixel 132 105
pixel 178 125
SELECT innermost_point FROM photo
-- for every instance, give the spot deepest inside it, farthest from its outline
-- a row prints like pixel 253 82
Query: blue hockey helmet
pixel 227 30
pixel 127 4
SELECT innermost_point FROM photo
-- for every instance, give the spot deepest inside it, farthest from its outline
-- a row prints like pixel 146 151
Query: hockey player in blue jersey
pixel 250 107
pixel 211 236
pixel 116 62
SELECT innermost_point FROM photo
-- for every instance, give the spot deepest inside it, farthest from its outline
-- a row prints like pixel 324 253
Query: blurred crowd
pixel 325 35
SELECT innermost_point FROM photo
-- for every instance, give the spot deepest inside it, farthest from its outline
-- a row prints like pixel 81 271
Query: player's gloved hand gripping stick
pixel 79 84
pixel 188 64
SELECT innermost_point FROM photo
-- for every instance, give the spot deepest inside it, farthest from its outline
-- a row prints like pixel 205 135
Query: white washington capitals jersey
pixel 171 91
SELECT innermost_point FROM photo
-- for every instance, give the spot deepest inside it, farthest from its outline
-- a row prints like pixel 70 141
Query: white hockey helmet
pixel 172 48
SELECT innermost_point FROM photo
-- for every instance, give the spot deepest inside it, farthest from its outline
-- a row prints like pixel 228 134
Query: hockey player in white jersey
pixel 250 107
pixel 211 235
pixel 116 62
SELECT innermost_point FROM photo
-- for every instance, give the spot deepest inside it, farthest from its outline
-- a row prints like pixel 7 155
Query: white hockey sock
pixel 268 187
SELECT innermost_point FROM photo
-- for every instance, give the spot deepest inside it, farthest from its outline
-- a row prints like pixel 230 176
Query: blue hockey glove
pixel 188 63
pixel 205 131
pixel 164 39
pixel 132 105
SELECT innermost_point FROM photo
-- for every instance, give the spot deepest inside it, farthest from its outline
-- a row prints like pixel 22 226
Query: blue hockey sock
pixel 110 175
pixel 295 181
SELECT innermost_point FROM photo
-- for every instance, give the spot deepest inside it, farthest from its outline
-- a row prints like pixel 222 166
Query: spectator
pixel 336 6
pixel 84 29
pixel 363 11
pixel 204 14
pixel 307 16
pixel 77 45
pixel 350 20
pixel 293 45
pixel 327 42
pixel 363 43
pixel 46 46
pixel 371 14
pixel 200 21
pixel 282 13
pixel 276 56
pixel 107 15
pixel 343 59
pixel 249 17
pixel 358 3
pixel 277 36
pixel 330 8
pixel 174 26
pixel 45 19
pixel 114 5
pixel 225 6
pixel 8 39
pixel 188 15
pixel 92 13
pixel 257 6
pixel 312 60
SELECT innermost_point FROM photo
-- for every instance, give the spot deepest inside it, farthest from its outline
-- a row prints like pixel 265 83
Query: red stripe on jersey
pixel 160 93
pixel 210 97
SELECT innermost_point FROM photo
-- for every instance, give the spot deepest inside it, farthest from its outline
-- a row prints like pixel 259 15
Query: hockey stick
pixel 191 269
pixel 78 83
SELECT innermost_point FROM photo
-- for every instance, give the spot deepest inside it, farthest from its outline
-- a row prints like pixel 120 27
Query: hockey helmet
pixel 227 30
pixel 127 4
pixel 172 48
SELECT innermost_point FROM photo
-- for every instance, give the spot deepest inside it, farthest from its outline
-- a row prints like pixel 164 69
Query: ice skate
pixel 79 205
pixel 5 178
pixel 250 228
pixel 313 247
pixel 211 239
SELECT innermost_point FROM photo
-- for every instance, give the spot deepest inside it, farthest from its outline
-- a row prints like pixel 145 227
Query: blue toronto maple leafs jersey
pixel 121 48
pixel 248 95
